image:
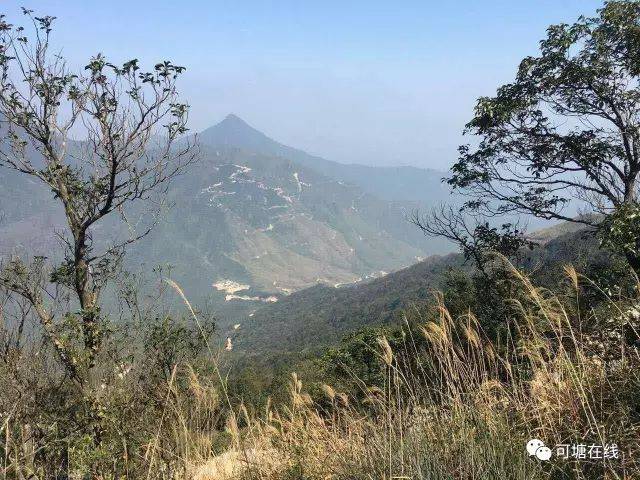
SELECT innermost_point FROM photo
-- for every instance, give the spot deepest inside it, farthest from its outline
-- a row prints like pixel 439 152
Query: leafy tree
pixel 566 130
pixel 120 111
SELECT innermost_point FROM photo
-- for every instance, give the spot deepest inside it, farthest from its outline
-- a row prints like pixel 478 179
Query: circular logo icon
pixel 536 448
pixel 543 453
pixel 533 445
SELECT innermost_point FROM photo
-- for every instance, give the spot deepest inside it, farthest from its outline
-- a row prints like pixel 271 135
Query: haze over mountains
pixel 390 183
pixel 259 220
pixel 255 220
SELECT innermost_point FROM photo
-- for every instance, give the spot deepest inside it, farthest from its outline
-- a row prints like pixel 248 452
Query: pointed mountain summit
pixel 235 132
pixel 390 183
pixel 233 119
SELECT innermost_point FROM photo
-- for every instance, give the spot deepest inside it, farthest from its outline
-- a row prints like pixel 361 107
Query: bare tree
pixel 478 241
pixel 118 111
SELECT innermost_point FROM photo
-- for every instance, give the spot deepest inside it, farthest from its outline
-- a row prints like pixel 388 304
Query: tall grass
pixel 467 406
pixel 454 404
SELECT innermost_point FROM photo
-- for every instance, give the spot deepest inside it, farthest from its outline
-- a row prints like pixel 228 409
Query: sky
pixel 376 83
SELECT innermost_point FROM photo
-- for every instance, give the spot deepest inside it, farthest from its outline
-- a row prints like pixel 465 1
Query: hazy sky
pixel 384 83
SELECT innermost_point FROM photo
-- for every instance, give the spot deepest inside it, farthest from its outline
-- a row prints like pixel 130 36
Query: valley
pixel 272 218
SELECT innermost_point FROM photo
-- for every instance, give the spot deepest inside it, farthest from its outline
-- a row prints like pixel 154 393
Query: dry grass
pixel 464 411
pixel 474 420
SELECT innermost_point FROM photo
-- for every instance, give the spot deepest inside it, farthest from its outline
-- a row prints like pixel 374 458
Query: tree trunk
pixel 87 298
pixel 633 260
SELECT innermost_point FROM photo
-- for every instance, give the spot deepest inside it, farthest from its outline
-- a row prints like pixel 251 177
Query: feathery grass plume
pixel 435 334
pixel 472 336
pixel 329 391
pixel 572 274
pixel 387 353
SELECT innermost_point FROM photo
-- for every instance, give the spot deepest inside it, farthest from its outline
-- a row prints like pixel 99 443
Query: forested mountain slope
pixel 322 315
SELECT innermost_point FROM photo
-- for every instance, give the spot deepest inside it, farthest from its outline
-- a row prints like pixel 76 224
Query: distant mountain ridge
pixel 255 220
pixel 402 183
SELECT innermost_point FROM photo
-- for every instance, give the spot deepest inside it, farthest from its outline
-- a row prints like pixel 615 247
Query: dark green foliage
pixel 255 380
pixel 565 131
pixel 357 359
pixel 620 230
pixel 321 316
pixel 168 343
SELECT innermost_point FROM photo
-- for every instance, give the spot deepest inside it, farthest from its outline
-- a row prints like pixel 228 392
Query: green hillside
pixel 322 315
pixel 247 211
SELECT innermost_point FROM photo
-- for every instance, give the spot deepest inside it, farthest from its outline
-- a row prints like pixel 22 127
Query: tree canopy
pixel 117 111
pixel 566 130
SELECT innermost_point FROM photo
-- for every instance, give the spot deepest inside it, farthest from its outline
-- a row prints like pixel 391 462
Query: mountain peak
pixel 232 118
pixel 234 131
